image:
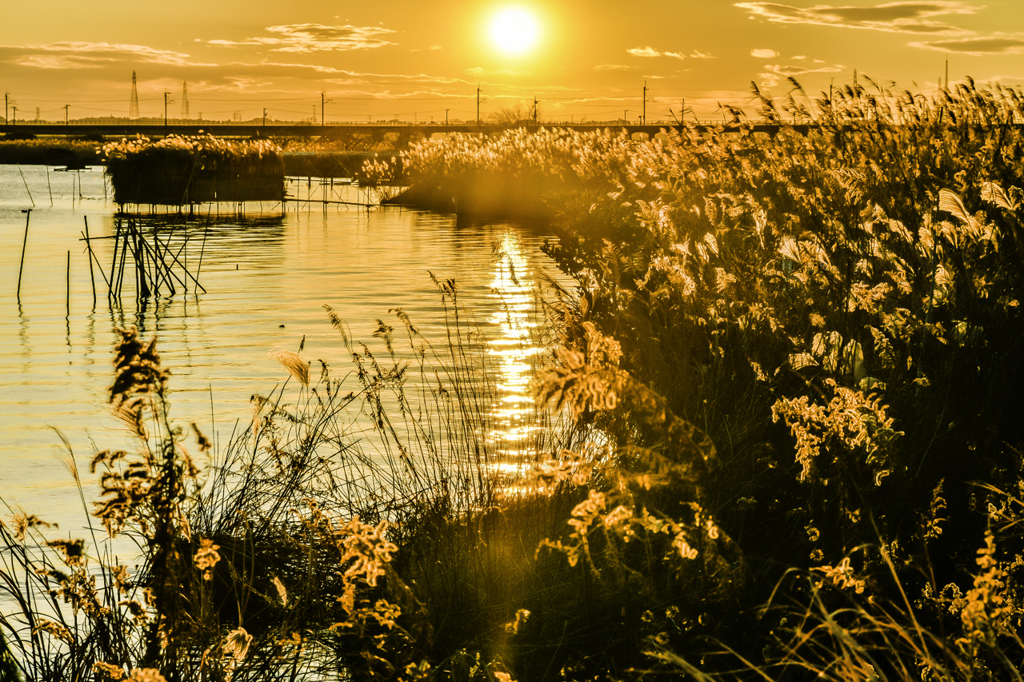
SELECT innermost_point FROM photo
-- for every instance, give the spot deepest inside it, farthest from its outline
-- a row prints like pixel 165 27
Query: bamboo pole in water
pixel 88 246
pixel 161 270
pixel 26 186
pixel 67 289
pixel 120 269
pixel 188 274
pixel 24 243
pixel 140 263
pixel 113 263
pixel 88 243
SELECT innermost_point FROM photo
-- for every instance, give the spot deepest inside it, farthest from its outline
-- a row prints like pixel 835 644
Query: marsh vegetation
pixel 780 437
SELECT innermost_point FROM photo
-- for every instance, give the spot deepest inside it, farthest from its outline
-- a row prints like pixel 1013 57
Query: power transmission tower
pixel 133 107
pixel 184 100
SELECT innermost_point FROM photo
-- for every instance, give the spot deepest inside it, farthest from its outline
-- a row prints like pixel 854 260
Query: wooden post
pixel 26 186
pixel 140 261
pixel 67 295
pixel 88 246
pixel 120 269
pixel 24 243
pixel 113 263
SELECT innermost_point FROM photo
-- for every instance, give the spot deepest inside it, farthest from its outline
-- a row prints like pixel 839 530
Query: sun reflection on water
pixel 514 347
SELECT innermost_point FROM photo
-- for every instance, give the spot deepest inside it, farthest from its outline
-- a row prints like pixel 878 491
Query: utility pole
pixel 534 110
pixel 66 113
pixel 446 116
pixel 643 118
pixel 323 101
pixel 264 117
pixel 947 73
pixel 478 104
pixel 14 115
pixel 167 100
pixel 7 96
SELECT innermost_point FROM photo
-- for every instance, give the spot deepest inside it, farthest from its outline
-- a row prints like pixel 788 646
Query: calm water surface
pixel 267 278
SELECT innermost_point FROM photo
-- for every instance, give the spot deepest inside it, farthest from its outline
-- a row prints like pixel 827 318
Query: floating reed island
pixel 180 171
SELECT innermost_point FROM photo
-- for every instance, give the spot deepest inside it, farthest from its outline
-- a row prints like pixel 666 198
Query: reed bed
pixel 805 344
pixel 73 152
pixel 178 170
pixel 784 439
pixel 278 556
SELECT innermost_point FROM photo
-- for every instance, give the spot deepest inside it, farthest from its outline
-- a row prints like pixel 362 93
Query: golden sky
pixel 411 59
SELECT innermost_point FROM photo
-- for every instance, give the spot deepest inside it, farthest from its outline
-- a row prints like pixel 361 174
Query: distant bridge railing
pixel 251 130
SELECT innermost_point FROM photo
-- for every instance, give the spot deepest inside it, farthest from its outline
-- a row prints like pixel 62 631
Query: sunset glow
pixel 407 62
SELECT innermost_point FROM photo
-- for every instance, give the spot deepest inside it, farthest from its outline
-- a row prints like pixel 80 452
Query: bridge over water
pixel 249 130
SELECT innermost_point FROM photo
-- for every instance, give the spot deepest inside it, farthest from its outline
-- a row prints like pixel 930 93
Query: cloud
pixel 612 67
pixel 764 54
pixel 895 17
pixel 775 72
pixel 85 55
pixel 651 52
pixel 697 54
pixel 978 45
pixel 316 38
pixel 480 71
pixel 417 77
pixel 643 52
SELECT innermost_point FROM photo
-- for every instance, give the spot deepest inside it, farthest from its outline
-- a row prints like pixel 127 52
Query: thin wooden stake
pixel 113 263
pixel 92 253
pixel 124 257
pixel 161 270
pixel 26 186
pixel 24 243
pixel 92 277
pixel 140 263
pixel 187 273
pixel 67 295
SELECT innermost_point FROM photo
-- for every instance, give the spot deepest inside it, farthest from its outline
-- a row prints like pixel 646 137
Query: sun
pixel 513 30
